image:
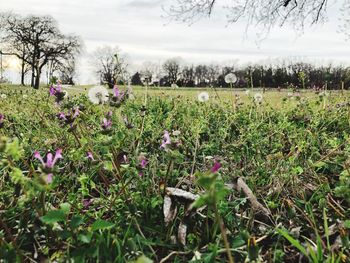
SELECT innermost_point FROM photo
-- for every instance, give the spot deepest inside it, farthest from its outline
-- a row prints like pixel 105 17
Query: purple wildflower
pixel 2 118
pixel 90 156
pixel 57 92
pixel 166 140
pixel 52 91
pixel 143 162
pixel 216 167
pixel 87 202
pixel 49 178
pixel 116 91
pixel 62 116
pixel 58 87
pixel 76 112
pixel 106 124
pixel 69 117
pixel 50 159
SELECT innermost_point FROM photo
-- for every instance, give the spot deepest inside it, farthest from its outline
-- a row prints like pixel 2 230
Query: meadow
pixel 172 175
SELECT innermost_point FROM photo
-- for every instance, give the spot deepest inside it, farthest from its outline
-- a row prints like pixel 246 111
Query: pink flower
pixel 106 124
pixel 90 156
pixel 76 112
pixel 143 162
pixel 216 167
pixel 87 202
pixel 166 140
pixel 49 178
pixel 116 91
pixel 2 118
pixel 52 91
pixel 50 160
pixel 62 116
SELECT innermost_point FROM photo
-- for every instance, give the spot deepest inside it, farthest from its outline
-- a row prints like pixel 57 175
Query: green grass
pixel 292 153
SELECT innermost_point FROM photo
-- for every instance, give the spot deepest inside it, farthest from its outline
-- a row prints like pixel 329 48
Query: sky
pixel 142 33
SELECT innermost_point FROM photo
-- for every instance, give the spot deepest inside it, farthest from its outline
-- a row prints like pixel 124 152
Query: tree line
pixel 275 75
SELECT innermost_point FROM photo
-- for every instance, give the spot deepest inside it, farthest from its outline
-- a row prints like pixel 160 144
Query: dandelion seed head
pixel 203 96
pixel 230 78
pixel 98 95
pixel 258 97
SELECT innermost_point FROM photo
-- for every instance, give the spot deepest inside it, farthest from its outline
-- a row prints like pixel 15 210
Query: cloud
pixel 144 3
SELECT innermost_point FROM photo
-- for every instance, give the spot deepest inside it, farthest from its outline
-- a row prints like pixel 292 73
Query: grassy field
pixel 272 97
pixel 168 178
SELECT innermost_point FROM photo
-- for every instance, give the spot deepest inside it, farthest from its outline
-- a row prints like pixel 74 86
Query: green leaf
pixel 65 208
pixel 76 221
pixel 108 166
pixel 85 238
pixel 17 176
pixel 53 216
pixel 101 225
pixel 347 224
pixel 143 259
pixel 293 241
pixel 206 181
pixel 14 150
pixel 201 201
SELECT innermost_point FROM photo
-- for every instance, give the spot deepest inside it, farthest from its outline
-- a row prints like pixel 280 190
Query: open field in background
pixel 176 179
pixel 272 97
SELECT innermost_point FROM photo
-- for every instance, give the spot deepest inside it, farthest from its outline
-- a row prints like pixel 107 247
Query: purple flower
pixel 166 140
pixel 61 116
pixel 109 114
pixel 50 159
pixel 2 118
pixel 216 167
pixel 57 92
pixel 76 112
pixel 90 156
pixel 143 162
pixel 69 117
pixel 58 87
pixel 52 91
pixel 106 124
pixel 116 91
pixel 87 202
pixel 49 178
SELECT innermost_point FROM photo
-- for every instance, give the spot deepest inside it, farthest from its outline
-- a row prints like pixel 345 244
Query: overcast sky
pixel 138 29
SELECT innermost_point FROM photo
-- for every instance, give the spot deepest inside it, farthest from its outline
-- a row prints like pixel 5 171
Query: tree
pixel 264 13
pixel 36 40
pixel 109 65
pixel 67 72
pixel 150 72
pixel 172 69
pixel 136 79
pixel 188 76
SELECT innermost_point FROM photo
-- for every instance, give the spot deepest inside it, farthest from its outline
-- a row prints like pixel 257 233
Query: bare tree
pixel 36 40
pixel 188 76
pixel 264 13
pixel 172 69
pixel 109 65
pixel 150 71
